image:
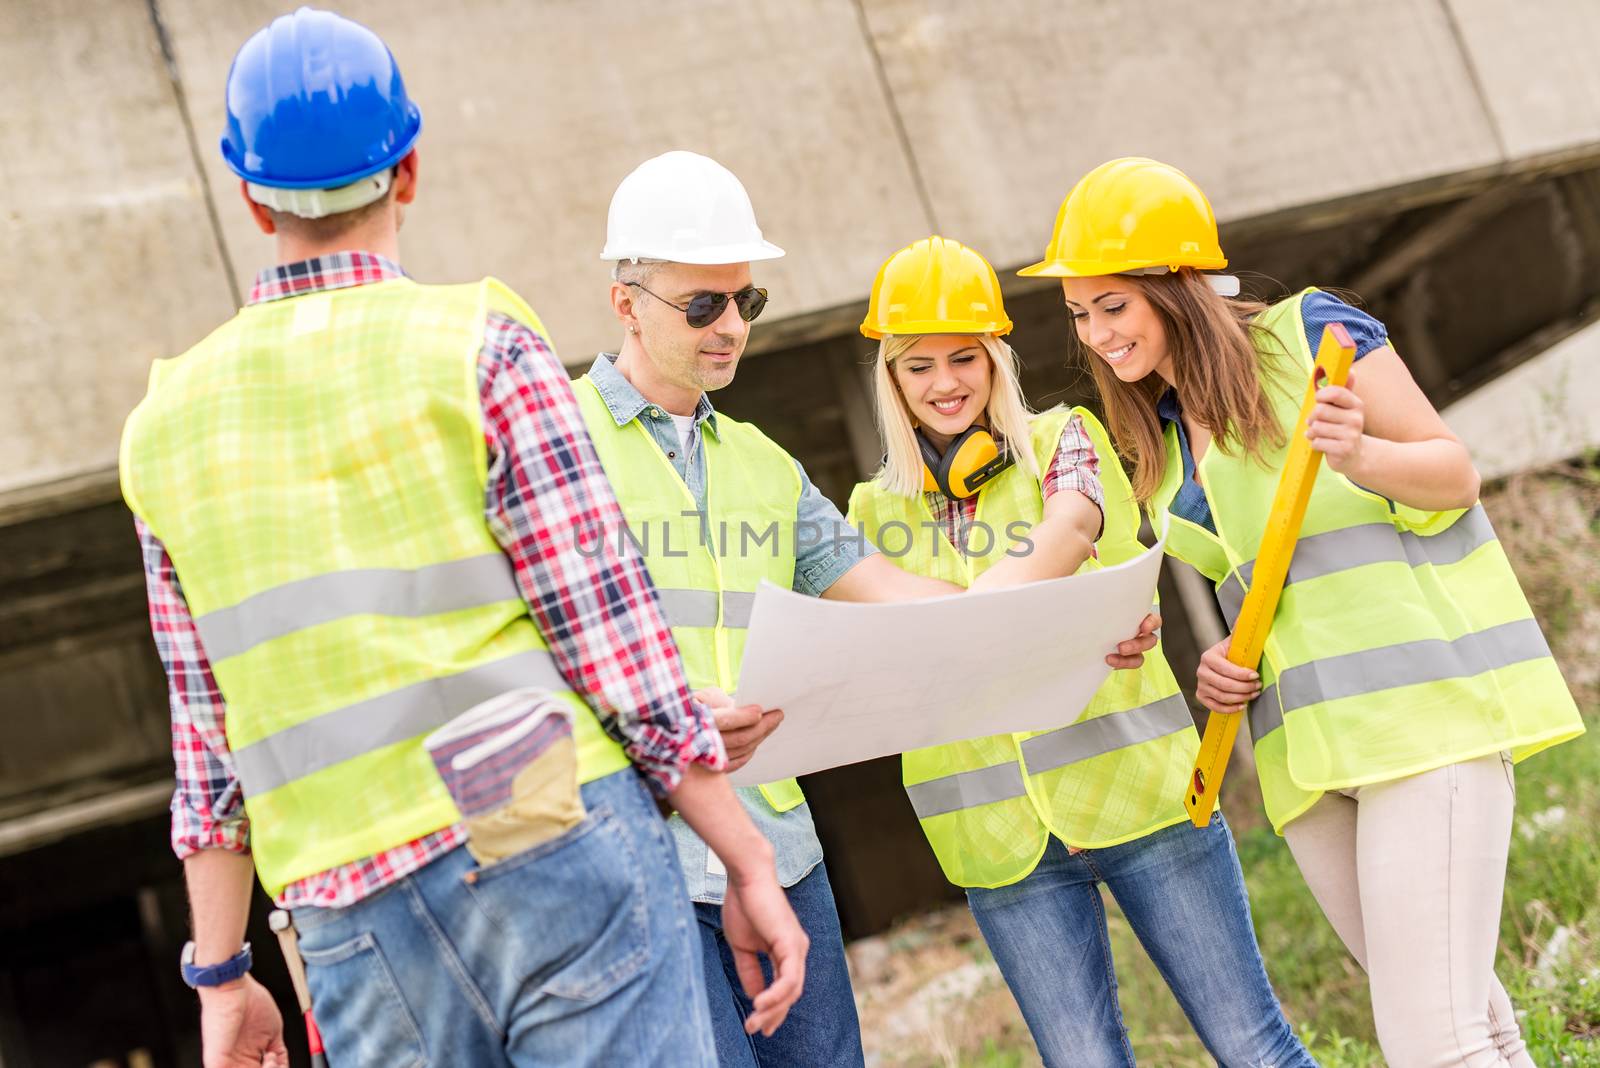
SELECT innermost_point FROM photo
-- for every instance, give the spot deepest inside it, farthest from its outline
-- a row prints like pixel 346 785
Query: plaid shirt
pixel 598 612
pixel 1075 466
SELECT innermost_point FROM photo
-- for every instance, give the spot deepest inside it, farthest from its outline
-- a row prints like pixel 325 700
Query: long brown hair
pixel 1223 365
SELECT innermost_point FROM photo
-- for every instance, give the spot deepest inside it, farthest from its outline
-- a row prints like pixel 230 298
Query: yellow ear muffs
pixel 972 459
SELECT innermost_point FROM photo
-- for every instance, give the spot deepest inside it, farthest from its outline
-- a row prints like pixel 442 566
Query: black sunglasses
pixel 706 308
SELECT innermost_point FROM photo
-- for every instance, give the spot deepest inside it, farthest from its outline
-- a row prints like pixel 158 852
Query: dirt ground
pixel 930 994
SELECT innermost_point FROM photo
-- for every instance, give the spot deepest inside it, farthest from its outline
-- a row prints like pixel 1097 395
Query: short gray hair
pixel 635 271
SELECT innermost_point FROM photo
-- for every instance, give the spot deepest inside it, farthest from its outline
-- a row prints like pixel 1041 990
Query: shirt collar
pixel 625 402
pixel 1167 406
pixel 337 270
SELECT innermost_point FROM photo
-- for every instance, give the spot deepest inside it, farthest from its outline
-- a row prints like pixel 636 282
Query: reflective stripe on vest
pixel 438 588
pixel 1358 546
pixel 1050 751
pixel 967 789
pixel 698 608
pixel 1390 667
pixel 1091 737
pixel 367 726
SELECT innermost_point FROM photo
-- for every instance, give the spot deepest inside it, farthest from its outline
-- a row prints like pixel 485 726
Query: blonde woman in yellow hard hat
pixel 1404 672
pixel 979 491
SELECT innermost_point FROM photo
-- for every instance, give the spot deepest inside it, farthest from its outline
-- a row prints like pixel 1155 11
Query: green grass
pixel 993 1056
pixel 1552 881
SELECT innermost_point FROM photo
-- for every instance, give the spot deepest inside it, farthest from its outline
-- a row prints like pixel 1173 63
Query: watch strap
pixel 225 971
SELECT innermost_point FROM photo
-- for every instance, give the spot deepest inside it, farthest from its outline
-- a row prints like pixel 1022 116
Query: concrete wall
pixel 523 144
pixel 110 259
pixel 1535 64
pixel 1267 104
pixel 859 125
pixel 1541 412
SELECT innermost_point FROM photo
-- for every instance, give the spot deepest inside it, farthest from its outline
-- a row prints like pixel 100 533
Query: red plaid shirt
pixel 1075 466
pixel 598 612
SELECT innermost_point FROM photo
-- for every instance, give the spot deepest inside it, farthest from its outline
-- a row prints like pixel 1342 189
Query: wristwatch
pixel 214 974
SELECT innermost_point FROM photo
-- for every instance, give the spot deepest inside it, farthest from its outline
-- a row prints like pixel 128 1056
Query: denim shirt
pixel 792 834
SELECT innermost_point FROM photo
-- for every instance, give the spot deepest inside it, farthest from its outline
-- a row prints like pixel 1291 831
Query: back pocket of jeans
pixel 572 909
pixel 359 1009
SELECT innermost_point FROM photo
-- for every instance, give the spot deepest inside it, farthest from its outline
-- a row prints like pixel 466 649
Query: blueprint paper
pixel 857 681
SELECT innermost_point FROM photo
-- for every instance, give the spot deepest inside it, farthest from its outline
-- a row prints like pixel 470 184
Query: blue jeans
pixel 1184 896
pixel 821 1028
pixel 578 952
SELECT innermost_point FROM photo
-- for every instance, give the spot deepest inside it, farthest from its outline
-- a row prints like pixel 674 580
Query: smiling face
pixel 945 380
pixel 696 359
pixel 1117 322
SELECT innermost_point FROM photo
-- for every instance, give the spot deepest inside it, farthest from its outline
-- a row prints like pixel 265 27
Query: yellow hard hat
pixel 935 286
pixel 1127 215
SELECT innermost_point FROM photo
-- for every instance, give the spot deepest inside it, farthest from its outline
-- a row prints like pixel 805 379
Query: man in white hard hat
pixel 716 507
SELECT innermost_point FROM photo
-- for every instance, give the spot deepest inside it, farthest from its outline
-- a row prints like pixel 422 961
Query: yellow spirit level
pixel 1334 356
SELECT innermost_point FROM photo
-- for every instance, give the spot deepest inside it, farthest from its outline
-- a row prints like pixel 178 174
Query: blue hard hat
pixel 316 101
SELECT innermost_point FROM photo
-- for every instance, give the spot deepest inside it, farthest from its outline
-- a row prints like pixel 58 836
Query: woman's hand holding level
pixel 1223 686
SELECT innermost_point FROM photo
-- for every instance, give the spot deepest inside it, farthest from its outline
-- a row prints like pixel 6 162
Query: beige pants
pixel 1411 873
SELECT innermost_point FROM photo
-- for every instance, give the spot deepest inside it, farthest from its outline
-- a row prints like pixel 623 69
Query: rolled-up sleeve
pixel 1075 466
pixel 826 545
pixel 207 803
pixel 549 506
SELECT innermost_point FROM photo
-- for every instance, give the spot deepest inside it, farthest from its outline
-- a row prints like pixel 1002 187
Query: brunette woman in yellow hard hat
pixel 979 491
pixel 1404 672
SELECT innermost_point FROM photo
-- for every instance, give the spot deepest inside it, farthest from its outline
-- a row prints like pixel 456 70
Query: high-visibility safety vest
pixel 316 469
pixel 705 565
pixel 1402 642
pixel 1115 773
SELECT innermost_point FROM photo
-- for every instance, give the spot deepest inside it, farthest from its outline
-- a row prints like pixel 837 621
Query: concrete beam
pixel 1398 262
pixel 859 125
pixel 854 380
pixel 81 709
pixel 1535 67
pixel 54 822
pixel 110 257
pixel 95 486
pixel 1267 104
pixel 1542 412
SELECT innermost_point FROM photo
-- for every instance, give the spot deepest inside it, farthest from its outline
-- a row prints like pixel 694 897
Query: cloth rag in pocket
pixel 511 766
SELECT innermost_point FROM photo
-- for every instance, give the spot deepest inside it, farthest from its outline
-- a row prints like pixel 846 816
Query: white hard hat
pixel 682 207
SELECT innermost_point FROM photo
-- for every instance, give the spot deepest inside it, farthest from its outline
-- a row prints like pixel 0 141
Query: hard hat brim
pixel 1099 269
pixel 398 153
pixel 918 329
pixel 746 252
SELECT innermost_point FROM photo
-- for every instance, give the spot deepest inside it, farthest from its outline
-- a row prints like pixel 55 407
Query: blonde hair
pixel 1007 415
pixel 1225 365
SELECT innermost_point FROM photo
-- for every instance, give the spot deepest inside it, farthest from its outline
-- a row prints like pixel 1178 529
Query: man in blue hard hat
pixel 359 504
